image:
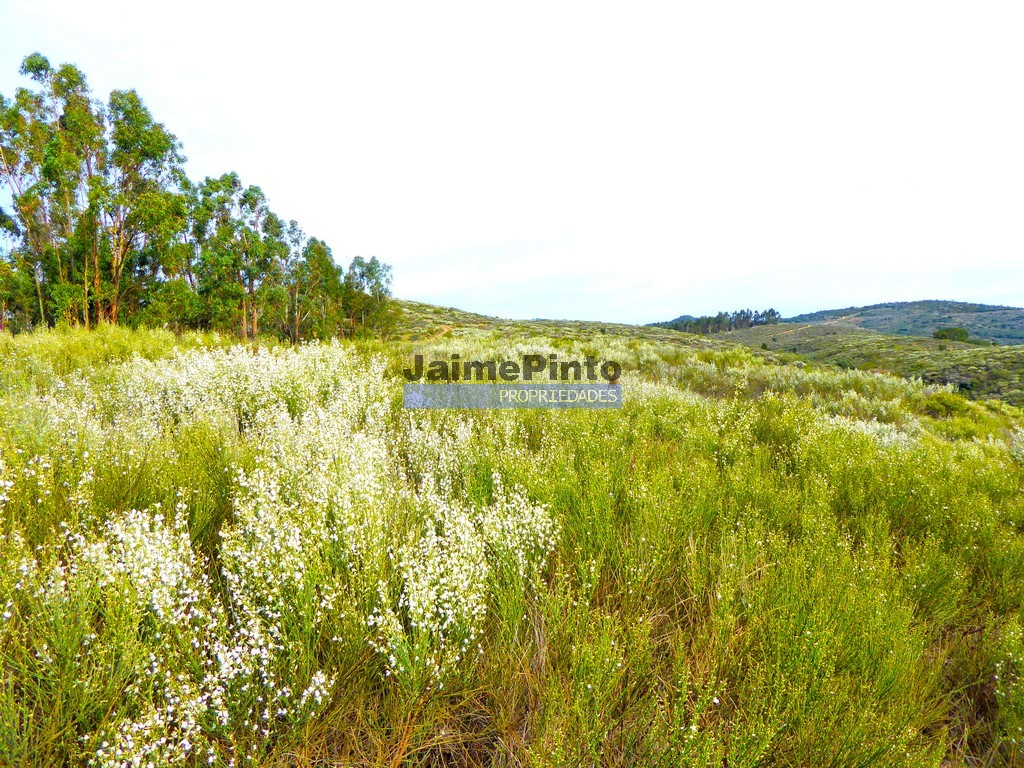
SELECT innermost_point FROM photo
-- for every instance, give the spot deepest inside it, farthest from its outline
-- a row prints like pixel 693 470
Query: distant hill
pixel 1002 325
pixel 680 319
pixel 416 321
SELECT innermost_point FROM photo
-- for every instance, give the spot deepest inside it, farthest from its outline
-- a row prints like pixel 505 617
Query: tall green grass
pixel 228 556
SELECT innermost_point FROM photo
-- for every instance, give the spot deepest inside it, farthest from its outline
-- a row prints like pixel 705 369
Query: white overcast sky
pixel 625 162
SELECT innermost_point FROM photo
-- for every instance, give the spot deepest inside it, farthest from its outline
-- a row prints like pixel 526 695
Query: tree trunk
pixel 97 283
pixel 85 292
pixel 39 293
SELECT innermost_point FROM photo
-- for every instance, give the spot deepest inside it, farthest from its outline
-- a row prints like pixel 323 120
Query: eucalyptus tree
pixel 104 225
pixel 52 152
pixel 138 196
pixel 291 283
pixel 242 245
pixel 93 189
pixel 264 246
pixel 367 288
pixel 323 291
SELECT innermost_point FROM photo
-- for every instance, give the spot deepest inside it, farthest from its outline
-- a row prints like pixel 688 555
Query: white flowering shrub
pixel 225 657
pixel 233 681
pixel 432 611
pixel 1017 445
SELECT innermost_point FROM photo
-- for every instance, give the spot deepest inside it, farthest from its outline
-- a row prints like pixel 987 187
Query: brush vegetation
pixel 238 555
pixel 989 322
pixel 977 372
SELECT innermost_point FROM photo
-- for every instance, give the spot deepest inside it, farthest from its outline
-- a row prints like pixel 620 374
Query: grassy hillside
pixel 232 556
pixel 980 372
pixel 422 322
pixel 1003 325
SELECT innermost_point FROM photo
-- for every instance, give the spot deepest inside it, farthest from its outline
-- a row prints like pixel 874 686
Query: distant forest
pixel 100 224
pixel 723 321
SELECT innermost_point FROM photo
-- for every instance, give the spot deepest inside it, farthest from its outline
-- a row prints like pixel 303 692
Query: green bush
pixel 952 334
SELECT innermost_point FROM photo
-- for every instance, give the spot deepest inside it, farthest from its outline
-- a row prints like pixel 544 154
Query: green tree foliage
pixel 367 286
pixel 952 334
pixel 100 224
pixel 723 321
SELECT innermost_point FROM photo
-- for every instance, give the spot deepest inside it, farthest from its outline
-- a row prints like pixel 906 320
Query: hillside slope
pixel 980 372
pixel 421 322
pixel 1003 325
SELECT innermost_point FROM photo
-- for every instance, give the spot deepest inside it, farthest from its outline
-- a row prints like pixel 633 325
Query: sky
pixel 597 161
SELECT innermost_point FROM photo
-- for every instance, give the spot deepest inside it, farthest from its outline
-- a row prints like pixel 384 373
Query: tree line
pixel 100 224
pixel 723 321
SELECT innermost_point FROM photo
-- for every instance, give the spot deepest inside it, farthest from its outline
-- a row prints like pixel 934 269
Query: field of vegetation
pixel 978 372
pixel 219 554
pixel 415 321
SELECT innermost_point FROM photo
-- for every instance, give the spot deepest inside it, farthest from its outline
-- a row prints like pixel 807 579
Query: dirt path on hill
pixel 794 330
